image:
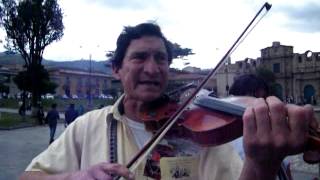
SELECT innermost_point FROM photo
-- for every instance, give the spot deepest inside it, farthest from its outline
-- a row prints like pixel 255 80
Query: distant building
pixel 297 75
pixel 183 77
pixel 7 74
pixel 191 69
pixel 76 83
pixel 72 83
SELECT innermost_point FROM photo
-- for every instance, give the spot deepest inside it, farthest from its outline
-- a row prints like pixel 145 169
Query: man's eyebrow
pixel 145 52
pixel 139 53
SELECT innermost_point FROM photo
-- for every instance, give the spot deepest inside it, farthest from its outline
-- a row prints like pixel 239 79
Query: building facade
pixel 80 84
pixel 297 76
pixel 72 83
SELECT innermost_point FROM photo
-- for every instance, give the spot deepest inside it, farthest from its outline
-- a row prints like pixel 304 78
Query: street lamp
pixel 89 94
pixel 89 90
pixel 88 82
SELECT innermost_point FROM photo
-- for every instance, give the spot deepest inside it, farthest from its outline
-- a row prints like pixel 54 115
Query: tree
pixel 31 25
pixel 3 88
pixel 178 52
pixel 24 78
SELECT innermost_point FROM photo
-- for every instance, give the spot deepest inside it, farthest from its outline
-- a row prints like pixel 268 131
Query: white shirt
pixel 140 134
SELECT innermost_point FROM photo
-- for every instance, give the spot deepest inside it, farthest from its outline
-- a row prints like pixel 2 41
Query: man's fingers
pixel 101 174
pixel 299 118
pixel 278 115
pixel 261 112
pixel 250 127
pixel 118 169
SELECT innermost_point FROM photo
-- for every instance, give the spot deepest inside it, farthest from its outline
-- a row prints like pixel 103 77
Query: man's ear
pixel 115 72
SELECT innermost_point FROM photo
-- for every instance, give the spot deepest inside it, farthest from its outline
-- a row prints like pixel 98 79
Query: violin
pixel 209 121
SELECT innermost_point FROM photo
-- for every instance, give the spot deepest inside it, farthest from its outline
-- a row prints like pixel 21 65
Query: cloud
pixel 302 18
pixel 126 4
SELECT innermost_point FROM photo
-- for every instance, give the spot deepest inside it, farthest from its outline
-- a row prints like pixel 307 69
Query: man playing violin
pixel 99 144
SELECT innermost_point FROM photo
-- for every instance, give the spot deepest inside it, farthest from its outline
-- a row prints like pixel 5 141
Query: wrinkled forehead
pixel 147 44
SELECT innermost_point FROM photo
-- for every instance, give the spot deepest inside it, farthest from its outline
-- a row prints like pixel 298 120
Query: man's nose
pixel 151 66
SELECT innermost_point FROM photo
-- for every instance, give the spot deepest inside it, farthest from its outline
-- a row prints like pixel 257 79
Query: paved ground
pixel 18 147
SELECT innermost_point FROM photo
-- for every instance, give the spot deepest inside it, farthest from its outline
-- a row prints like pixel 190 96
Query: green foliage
pixel 24 78
pixel 9 103
pixel 3 87
pixel 178 52
pixel 10 120
pixel 31 25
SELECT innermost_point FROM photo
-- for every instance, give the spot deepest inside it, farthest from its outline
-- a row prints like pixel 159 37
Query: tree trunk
pixel 35 91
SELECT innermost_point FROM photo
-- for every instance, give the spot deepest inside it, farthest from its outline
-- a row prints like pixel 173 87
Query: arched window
pixel 308 94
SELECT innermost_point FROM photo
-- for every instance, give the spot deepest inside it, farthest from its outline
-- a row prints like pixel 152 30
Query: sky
pixel 208 27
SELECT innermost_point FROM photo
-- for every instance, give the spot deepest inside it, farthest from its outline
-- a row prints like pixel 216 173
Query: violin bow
pixel 141 155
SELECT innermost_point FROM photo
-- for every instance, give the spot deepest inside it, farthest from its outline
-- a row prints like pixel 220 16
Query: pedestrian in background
pixel 52 119
pixel 40 115
pixel 80 110
pixel 70 115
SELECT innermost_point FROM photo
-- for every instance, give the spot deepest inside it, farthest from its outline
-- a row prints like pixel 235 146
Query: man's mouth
pixel 150 83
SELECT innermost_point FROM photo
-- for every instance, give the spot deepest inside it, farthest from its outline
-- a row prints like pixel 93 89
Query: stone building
pixel 76 83
pixel 228 72
pixel 7 79
pixel 297 75
pixel 72 83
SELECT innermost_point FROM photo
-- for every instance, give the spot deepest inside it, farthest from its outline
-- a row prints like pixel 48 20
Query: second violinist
pixel 99 144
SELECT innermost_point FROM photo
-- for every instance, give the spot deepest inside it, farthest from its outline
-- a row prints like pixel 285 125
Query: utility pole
pixel 90 85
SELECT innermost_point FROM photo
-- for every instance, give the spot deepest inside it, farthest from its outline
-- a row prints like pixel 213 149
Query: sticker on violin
pixel 152 168
pixel 182 168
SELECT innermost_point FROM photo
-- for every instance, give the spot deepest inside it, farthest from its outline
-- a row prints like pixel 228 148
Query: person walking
pixel 52 119
pixel 70 115
pixel 40 115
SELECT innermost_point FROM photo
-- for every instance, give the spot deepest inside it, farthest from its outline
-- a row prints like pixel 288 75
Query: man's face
pixel 144 70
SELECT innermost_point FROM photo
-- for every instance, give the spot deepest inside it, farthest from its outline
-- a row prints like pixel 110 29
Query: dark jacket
pixel 52 117
pixel 70 115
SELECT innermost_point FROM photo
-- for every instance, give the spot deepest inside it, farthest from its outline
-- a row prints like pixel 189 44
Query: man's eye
pixel 140 56
pixel 161 58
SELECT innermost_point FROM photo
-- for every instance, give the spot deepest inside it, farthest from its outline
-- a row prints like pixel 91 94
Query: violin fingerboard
pixel 219 105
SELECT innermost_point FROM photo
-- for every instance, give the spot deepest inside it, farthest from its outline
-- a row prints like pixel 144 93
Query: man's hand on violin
pixel 103 171
pixel 273 130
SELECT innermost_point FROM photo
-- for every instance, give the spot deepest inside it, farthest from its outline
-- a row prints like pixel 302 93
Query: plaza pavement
pixel 19 146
